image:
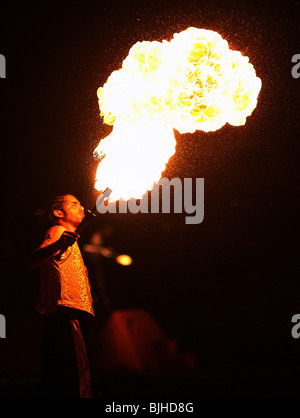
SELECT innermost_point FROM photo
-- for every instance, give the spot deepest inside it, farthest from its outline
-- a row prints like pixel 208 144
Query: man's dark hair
pixel 46 216
pixel 55 204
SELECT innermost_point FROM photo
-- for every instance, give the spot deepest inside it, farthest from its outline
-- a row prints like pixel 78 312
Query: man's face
pixel 73 211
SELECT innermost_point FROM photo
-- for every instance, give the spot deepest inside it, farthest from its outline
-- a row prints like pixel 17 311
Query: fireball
pixel 193 82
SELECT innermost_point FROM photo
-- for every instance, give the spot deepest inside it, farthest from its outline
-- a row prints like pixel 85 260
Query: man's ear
pixel 58 213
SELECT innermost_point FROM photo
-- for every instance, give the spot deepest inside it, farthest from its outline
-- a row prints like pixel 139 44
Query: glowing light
pixel 124 260
pixel 194 82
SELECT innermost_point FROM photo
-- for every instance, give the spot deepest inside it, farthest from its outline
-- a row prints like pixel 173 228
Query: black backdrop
pixel 225 289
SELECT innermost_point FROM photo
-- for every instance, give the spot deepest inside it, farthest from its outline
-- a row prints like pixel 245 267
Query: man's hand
pixel 67 239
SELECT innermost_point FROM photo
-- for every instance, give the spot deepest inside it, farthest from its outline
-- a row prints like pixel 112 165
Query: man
pixel 65 297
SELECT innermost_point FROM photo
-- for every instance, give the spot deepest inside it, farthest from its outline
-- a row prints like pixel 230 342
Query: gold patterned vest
pixel 65 282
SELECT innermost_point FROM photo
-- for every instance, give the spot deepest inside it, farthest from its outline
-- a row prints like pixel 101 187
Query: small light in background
pixel 124 260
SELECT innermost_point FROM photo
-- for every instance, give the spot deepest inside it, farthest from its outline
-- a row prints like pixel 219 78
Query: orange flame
pixel 194 82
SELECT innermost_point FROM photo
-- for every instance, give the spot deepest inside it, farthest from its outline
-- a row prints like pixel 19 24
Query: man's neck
pixel 68 226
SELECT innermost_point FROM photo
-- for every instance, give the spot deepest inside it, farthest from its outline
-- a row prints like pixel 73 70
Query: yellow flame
pixel 136 154
pixel 194 82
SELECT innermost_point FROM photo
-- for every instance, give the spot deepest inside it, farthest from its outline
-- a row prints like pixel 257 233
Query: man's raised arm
pixel 56 239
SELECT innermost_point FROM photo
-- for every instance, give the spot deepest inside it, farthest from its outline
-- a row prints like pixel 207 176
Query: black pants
pixel 65 371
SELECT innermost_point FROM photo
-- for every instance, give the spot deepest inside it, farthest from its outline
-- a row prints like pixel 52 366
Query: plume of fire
pixel 194 82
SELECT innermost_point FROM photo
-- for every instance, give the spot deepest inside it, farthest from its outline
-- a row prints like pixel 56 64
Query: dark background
pixel 225 289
